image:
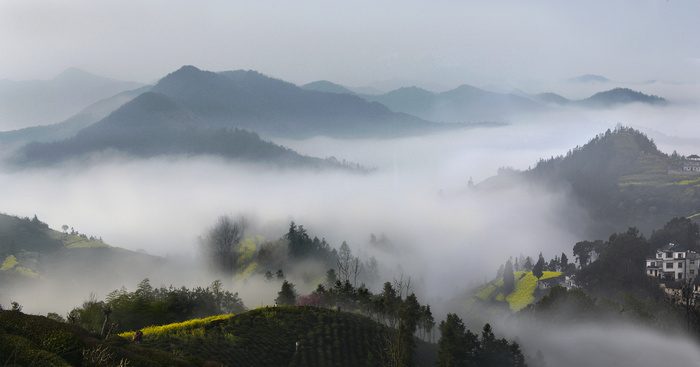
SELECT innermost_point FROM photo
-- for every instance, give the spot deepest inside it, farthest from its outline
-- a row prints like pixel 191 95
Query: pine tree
pixel 452 343
pixel 287 296
pixel 508 277
pixel 537 269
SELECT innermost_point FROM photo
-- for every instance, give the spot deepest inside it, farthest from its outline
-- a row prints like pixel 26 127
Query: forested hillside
pixel 621 178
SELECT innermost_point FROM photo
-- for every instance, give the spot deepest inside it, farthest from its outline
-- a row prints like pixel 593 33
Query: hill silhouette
pixel 195 112
pixel 462 104
pixel 619 96
pixel 326 86
pixel 621 178
pixel 71 126
pixel 470 104
pixel 151 125
pixel 40 102
pixel 250 100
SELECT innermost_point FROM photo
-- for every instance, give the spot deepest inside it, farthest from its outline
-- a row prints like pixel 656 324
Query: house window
pixel 692 262
pixel 669 255
pixel 680 275
pixel 669 265
pixel 680 265
pixel 692 271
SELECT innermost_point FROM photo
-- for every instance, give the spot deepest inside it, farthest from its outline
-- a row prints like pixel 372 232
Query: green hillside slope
pixel 269 336
pixel 493 297
pixel 262 337
pixel 32 253
pixel 24 241
pixel 27 340
pixel 621 178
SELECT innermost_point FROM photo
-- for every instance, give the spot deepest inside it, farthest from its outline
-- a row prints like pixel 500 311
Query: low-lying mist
pixel 599 344
pixel 446 237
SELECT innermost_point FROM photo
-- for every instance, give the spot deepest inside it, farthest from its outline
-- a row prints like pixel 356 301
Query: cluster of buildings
pixel 675 266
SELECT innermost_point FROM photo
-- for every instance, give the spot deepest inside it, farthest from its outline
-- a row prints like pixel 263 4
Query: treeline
pixel 122 310
pixel 231 254
pixel 459 347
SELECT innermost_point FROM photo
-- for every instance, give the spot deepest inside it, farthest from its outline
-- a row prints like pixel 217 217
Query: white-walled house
pixel 673 262
pixel 674 266
pixel 691 163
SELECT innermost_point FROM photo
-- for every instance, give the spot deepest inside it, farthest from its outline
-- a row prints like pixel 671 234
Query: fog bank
pixel 445 236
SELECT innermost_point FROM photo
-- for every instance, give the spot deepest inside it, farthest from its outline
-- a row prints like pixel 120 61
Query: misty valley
pixel 234 219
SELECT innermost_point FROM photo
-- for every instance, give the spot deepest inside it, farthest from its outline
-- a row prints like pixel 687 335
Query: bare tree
pixel 344 261
pixel 222 242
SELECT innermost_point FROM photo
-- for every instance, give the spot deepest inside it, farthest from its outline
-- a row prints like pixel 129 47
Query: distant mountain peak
pixel 622 96
pixel 187 69
pixel 73 72
pixel 326 86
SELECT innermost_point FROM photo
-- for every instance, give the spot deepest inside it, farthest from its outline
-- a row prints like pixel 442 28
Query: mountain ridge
pixel 620 177
pixel 41 102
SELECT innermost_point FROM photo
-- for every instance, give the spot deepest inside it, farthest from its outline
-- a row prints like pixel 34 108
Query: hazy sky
pixel 523 44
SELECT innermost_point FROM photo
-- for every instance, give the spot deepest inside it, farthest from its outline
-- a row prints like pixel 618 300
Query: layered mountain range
pixel 230 114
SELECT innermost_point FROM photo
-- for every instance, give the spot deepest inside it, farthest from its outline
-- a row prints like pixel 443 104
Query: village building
pixel 675 267
pixel 691 163
pixel 565 281
pixel 673 262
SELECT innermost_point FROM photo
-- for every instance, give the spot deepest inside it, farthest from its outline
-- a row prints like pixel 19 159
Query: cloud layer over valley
pixel 417 195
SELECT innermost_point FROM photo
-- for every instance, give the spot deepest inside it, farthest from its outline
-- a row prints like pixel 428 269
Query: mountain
pixel 462 104
pixel 326 86
pixel 71 126
pixel 619 96
pixel 195 112
pixel 589 78
pixel 622 180
pixel 271 107
pixel 154 125
pixel 469 104
pixel 41 102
